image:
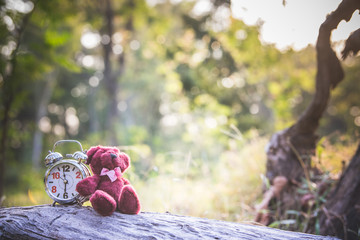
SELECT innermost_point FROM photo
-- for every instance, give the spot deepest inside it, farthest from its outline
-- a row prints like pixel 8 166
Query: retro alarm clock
pixel 64 173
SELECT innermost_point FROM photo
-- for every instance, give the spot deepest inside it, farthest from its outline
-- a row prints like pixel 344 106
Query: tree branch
pixel 329 72
pixel 74 222
pixel 352 44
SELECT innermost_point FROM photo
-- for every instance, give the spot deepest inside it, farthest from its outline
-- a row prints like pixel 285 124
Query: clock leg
pixel 53 204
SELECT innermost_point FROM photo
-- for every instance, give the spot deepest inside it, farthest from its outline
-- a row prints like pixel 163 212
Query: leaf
pixel 302 191
pixel 55 38
pixel 68 64
pixel 317 227
pixel 293 212
pixel 282 222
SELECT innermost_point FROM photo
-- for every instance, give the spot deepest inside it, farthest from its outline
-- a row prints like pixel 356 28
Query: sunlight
pixel 9 23
pixel 90 39
pixel 55 109
pixel 94 81
pixel 45 125
pixel 217 54
pixel 345 28
pixel 241 34
pixel 79 91
pixel 92 61
pixel 357 121
pixel 122 106
pixel 227 82
pixel 88 61
pixel 59 130
pixel 254 108
pixel 355 111
pixel 211 122
pixel 170 120
pixel 199 57
pixel 20 6
pixel 238 79
pixel 201 8
pixel 152 3
pixel 286 26
pixel 117 38
pixel 117 49
pixel 32 198
pixel 192 128
pixel 134 45
pixel 105 39
pixel 72 121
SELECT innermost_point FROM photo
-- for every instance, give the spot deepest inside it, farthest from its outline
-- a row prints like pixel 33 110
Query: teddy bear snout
pixel 116 161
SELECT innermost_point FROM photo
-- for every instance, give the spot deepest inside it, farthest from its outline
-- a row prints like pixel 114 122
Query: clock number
pixel 66 168
pixel 56 175
pixel 65 195
pixel 78 174
pixel 53 189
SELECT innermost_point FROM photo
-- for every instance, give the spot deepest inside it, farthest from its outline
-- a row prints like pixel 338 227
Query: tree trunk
pixel 289 151
pixel 299 140
pixel 42 112
pixel 9 91
pixel 111 75
pixel 74 222
pixel 93 117
pixel 110 80
pixel 341 213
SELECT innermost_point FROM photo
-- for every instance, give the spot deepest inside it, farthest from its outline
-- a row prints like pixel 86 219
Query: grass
pixel 227 188
pixel 222 189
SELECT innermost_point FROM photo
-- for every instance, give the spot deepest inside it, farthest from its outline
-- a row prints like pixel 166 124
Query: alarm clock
pixel 64 173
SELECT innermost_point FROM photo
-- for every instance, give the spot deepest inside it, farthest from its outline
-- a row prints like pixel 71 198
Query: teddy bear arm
pixel 125 181
pixel 88 185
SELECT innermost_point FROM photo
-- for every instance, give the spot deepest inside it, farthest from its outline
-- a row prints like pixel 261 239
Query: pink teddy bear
pixel 109 190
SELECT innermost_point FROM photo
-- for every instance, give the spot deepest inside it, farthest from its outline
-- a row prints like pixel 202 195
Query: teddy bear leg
pixel 103 203
pixel 129 202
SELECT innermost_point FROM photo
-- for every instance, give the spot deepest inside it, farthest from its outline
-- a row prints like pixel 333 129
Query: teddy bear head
pixel 100 157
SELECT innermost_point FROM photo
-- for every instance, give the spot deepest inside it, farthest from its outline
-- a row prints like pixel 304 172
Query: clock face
pixel 61 181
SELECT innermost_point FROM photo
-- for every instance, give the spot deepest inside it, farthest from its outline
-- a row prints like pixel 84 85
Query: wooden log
pixel 75 222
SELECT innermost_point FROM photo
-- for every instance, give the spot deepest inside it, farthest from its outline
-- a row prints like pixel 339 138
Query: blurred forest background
pixel 192 97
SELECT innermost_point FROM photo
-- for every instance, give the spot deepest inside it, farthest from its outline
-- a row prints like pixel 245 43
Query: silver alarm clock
pixel 64 173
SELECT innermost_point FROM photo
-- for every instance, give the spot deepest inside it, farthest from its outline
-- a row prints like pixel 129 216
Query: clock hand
pixel 65 181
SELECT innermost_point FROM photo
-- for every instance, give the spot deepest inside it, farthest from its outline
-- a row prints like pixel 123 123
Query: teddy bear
pixel 108 189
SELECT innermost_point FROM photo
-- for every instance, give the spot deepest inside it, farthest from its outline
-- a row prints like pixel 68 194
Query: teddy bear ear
pixel 125 161
pixel 91 153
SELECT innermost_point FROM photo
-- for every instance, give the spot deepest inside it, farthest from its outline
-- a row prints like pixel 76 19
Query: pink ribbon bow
pixel 112 174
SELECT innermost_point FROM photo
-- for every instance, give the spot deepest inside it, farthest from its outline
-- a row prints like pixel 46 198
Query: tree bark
pixel 74 222
pixel 341 213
